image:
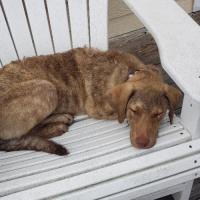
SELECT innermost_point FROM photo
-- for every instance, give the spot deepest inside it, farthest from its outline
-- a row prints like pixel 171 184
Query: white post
pixel 190 116
pixel 196 5
pixel 185 193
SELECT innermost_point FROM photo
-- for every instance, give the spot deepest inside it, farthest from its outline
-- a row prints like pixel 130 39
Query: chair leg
pixel 184 194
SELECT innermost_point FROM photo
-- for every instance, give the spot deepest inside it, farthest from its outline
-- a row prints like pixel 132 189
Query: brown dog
pixel 39 97
pixel 144 100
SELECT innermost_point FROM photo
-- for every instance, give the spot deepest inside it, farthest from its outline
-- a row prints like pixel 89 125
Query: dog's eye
pixel 157 115
pixel 133 110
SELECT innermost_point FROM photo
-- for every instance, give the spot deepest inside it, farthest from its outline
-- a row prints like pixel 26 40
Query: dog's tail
pixel 32 143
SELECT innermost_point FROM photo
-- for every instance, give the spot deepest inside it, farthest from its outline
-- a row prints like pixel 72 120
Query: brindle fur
pixel 39 96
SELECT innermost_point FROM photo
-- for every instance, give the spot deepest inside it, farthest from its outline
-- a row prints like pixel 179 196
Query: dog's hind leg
pixel 32 143
pixel 23 107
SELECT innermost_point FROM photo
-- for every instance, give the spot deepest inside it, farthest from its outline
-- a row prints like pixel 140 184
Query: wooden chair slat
pixel 19 28
pixel 59 24
pixel 7 50
pixel 39 26
pixel 98 13
pixel 79 22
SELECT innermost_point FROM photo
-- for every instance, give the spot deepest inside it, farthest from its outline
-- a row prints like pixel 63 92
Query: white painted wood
pixel 196 5
pixel 130 181
pixel 68 171
pixel 154 165
pixel 190 116
pixel 89 126
pixel 161 193
pixel 50 168
pixel 105 139
pixel 79 22
pixel 80 118
pixel 15 164
pixel 157 187
pixel 184 194
pixel 39 25
pixel 98 12
pixel 177 37
pixel 43 161
pixel 19 28
pixel 67 168
pixel 59 24
pixel 7 50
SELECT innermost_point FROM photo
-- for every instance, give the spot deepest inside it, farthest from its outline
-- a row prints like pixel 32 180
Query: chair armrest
pixel 178 40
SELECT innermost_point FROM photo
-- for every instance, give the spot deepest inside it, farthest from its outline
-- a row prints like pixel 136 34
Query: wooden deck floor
pixel 142 44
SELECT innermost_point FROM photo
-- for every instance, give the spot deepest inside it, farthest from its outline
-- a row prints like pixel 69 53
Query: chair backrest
pixel 30 27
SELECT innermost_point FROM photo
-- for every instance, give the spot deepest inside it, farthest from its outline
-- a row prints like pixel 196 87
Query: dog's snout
pixel 142 142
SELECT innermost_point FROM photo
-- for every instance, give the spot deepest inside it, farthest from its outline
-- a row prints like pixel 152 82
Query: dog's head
pixel 144 100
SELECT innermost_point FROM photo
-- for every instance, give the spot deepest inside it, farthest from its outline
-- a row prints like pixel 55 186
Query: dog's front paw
pixel 69 119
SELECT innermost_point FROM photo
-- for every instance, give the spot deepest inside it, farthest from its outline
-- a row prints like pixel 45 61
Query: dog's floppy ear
pixel 173 96
pixel 118 96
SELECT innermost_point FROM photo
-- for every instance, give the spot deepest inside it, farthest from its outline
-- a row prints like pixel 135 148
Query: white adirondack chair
pixel 102 163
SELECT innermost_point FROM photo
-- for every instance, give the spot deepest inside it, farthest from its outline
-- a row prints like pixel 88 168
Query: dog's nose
pixel 142 142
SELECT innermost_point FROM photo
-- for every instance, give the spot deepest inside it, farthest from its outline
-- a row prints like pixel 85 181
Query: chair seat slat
pixel 89 165
pixel 141 164
pixel 110 131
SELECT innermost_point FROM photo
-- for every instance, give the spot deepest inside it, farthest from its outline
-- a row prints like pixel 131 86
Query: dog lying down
pixel 39 97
